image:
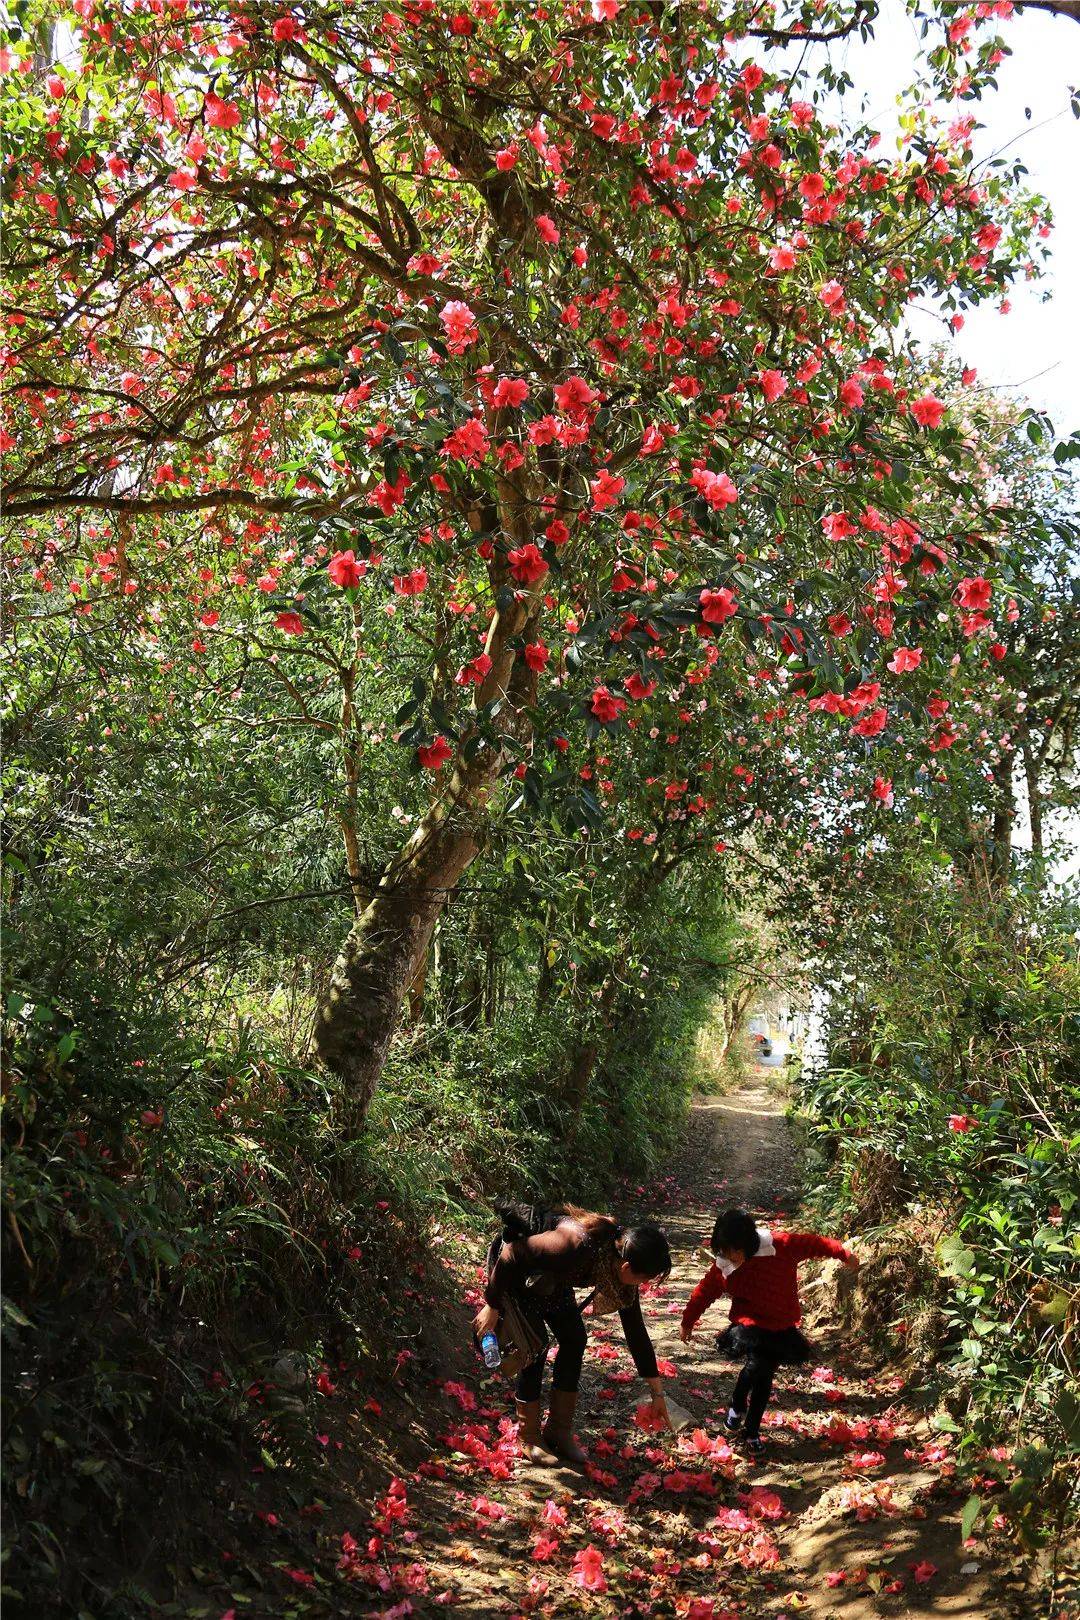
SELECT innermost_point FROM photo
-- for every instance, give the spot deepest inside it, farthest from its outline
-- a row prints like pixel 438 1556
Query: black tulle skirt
pixel 784 1346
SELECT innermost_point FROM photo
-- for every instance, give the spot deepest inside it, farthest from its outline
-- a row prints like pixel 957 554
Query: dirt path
pixel 852 1514
pixel 859 1520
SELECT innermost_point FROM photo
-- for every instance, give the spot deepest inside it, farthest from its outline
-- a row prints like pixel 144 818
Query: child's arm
pixel 809 1246
pixel 711 1286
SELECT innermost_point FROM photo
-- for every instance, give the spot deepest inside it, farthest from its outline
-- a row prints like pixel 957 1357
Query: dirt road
pixel 852 1513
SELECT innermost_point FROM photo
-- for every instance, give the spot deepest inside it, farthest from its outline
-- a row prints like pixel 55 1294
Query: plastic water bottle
pixel 489 1349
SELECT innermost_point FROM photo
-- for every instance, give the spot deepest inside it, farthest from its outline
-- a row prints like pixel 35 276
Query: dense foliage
pixel 952 1101
pixel 949 1098
pixel 483 386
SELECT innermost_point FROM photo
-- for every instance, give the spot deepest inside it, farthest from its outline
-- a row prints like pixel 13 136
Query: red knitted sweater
pixel 765 1289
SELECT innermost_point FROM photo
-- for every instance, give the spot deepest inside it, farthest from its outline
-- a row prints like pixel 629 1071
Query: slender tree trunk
pixel 489 980
pixel 1035 806
pixel 1001 847
pixel 545 979
pixel 469 989
pixel 351 766
pixel 735 1007
pixel 416 990
pixel 584 1057
pixel 578 1076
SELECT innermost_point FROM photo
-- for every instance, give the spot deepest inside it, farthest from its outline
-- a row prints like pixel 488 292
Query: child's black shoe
pixel 753 1445
pixel 733 1422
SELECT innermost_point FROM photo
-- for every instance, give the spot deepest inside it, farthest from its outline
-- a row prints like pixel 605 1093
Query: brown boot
pixel 532 1447
pixel 558 1431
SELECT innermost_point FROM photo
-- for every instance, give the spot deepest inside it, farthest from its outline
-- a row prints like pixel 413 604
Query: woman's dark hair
pixel 645 1250
pixel 735 1229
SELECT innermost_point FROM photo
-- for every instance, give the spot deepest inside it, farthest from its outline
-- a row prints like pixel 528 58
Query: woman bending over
pixel 540 1258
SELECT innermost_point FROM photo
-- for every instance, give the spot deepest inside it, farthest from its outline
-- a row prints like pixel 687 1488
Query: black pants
pixel 563 1318
pixel 753 1388
pixel 764 1349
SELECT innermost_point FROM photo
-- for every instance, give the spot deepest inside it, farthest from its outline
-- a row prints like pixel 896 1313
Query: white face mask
pixel 766 1247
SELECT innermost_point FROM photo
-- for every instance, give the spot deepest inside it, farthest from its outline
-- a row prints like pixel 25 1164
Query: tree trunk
pixel 1001 832
pixel 583 1061
pixel 416 990
pixel 576 1085
pixel 734 1011
pixel 545 978
pixel 469 986
pixel 351 766
pixel 380 958
pixel 1035 808
pixel 490 992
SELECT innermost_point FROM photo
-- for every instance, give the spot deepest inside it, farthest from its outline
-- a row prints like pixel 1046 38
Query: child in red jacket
pixel 759 1268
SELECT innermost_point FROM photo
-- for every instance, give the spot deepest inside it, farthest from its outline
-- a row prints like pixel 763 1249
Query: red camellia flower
pixel 344 570
pixel 882 790
pixel 773 384
pixel 928 411
pixel 605 706
pixel 606 488
pixel 413 584
pixel 716 606
pixel 574 396
pixel 589 1570
pixel 434 755
pixel 469 442
pixel 838 526
pixel 557 532
pixel 904 659
pixel 974 593
pixel 152 1118
pixel 286 28
pixel 839 624
pixel 639 688
pixel 717 488
pixel 961 1123
pixel 459 324
pixel 221 114
pixel 291 624
pixel 872 723
pixel 526 564
pixel 537 655
pixel 547 230
pixel 512 391
pixel 475 672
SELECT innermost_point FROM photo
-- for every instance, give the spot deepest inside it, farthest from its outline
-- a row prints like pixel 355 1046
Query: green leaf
pixel 957 1260
pixel 972 1508
pixel 1067 1411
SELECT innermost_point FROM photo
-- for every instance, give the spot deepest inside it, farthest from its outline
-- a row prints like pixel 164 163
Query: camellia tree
pixel 503 370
